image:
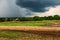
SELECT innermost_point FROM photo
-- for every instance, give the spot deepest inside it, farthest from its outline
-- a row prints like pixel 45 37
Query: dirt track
pixel 30 28
pixel 33 29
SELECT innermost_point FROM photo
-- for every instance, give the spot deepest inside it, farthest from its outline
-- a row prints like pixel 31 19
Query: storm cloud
pixel 37 5
pixel 22 8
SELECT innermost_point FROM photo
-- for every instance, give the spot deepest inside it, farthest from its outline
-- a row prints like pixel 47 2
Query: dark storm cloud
pixel 37 5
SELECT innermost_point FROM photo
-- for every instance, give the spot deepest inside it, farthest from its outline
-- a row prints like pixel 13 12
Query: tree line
pixel 35 18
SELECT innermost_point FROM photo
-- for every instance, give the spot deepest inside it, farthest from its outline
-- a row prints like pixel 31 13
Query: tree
pixel 56 17
pixel 50 18
pixel 45 18
pixel 36 18
pixel 2 19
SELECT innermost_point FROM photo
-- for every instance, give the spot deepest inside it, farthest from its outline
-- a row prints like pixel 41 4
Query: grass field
pixel 18 35
pixel 29 23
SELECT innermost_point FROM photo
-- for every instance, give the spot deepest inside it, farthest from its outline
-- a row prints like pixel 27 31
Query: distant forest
pixel 35 18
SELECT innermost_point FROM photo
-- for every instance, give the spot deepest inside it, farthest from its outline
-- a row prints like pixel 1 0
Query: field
pixel 18 35
pixel 21 35
pixel 29 23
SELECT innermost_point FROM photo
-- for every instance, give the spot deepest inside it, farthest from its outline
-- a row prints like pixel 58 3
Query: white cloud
pixel 52 11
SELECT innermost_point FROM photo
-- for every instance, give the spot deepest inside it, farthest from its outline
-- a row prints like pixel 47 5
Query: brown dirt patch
pixel 30 28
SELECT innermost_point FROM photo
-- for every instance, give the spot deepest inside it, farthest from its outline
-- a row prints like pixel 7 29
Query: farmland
pixel 22 35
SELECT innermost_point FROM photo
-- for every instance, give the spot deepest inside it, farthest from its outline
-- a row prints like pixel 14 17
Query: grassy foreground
pixel 17 35
pixel 29 23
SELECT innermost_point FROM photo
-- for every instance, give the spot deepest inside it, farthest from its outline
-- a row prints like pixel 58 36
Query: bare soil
pixel 30 28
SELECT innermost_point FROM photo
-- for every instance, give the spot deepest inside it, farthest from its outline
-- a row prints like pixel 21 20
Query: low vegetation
pixel 17 35
pixel 26 23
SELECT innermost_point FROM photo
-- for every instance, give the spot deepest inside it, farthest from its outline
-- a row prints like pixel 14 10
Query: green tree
pixel 45 18
pixel 36 18
pixel 50 17
pixel 56 17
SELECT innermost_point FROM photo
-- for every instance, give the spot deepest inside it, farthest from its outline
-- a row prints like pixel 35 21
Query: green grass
pixel 26 23
pixel 29 23
pixel 15 35
pixel 11 34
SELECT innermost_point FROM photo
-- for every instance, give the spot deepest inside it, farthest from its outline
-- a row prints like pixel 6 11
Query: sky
pixel 29 8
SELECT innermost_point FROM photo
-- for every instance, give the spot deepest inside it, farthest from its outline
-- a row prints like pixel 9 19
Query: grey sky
pixel 9 8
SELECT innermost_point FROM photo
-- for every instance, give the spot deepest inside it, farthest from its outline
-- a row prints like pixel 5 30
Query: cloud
pixel 24 12
pixel 37 5
pixel 8 8
pixel 20 8
pixel 52 11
